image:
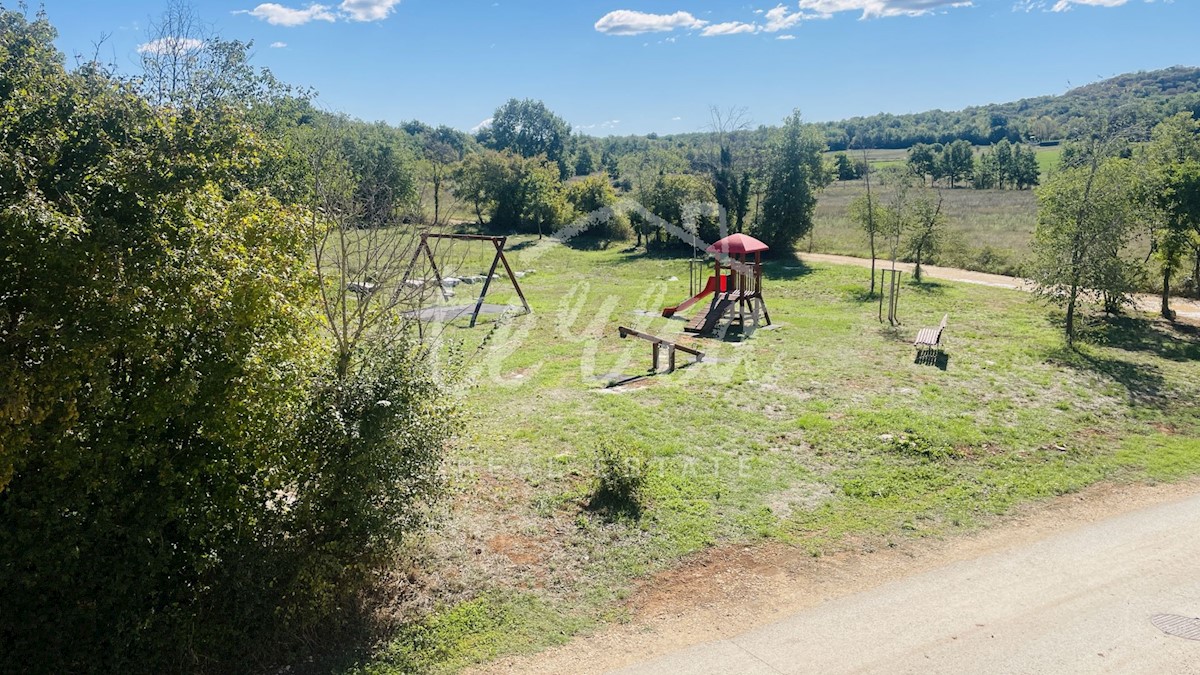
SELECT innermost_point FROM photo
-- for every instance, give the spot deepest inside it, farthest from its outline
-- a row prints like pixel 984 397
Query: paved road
pixel 1076 602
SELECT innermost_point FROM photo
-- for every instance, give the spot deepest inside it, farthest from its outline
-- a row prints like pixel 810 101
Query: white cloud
pixel 880 8
pixel 781 19
pixel 170 45
pixel 278 45
pixel 278 15
pixel 600 125
pixel 368 10
pixel 629 22
pixel 353 10
pixel 481 126
pixel 729 28
pixel 786 37
pixel 676 118
pixel 1064 5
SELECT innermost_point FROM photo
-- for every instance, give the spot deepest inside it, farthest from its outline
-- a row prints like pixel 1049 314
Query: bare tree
pixel 361 255
pixel 174 51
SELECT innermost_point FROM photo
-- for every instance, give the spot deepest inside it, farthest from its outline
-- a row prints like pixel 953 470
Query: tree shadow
pixel 861 295
pixel 785 266
pixel 1143 383
pixel 1174 342
pixel 926 287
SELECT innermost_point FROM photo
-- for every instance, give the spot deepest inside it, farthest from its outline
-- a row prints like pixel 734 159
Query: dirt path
pixel 726 592
pixel 1077 601
pixel 1188 310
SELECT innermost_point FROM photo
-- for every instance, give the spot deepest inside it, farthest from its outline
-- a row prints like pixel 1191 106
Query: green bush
pixel 621 473
pixel 183 485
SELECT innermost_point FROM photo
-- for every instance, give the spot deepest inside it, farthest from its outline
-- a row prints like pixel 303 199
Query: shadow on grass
pixel 932 357
pixel 612 507
pixel 785 266
pixel 1144 383
pixel 925 287
pixel 1177 342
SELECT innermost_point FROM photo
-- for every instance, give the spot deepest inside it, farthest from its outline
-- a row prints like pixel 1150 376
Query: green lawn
pixel 819 428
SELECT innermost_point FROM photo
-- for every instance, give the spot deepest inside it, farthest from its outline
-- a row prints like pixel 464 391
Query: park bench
pixel 929 340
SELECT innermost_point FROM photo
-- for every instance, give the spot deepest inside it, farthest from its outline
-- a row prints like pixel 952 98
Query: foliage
pixel 188 485
pixel 669 197
pixel 1086 218
pixel 1143 98
pixel 796 175
pixel 529 129
pixel 519 194
pixel 590 194
pixel 622 470
pixel 925 228
pixel 1173 192
pixel 845 168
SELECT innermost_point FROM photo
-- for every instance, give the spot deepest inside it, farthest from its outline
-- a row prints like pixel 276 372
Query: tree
pixel 922 161
pixel 845 168
pixel 519 193
pixel 1085 219
pixel 1172 155
pixel 585 164
pixel 529 129
pixel 181 468
pixel 869 215
pixel 669 195
pixel 957 161
pixel 925 227
pixel 796 174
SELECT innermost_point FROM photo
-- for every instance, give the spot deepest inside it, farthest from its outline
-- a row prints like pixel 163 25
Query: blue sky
pixel 636 66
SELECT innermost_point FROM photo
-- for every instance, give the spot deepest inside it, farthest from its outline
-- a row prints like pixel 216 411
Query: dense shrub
pixel 182 484
pixel 621 473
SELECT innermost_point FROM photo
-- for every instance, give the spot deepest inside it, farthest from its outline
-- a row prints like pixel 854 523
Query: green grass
pixel 818 429
pixel 986 230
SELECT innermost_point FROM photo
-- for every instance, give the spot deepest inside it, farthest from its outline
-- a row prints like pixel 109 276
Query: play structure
pixel 656 345
pixel 449 313
pixel 735 294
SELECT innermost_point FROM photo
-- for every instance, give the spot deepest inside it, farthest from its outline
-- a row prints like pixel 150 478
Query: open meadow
pixel 986 230
pixel 815 433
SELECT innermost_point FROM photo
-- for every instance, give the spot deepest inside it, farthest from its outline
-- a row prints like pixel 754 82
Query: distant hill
pixel 1142 98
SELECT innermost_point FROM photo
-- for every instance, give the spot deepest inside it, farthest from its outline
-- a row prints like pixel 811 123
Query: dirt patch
pixel 729 590
pixel 518 549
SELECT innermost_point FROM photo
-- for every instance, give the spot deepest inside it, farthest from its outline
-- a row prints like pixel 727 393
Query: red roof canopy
pixel 737 244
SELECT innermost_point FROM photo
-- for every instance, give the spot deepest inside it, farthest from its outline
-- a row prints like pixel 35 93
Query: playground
pixel 821 431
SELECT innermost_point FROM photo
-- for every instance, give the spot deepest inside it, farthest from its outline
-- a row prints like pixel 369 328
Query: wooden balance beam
pixel 657 343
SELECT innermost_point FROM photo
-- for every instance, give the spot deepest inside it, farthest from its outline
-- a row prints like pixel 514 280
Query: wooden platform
pixel 705 321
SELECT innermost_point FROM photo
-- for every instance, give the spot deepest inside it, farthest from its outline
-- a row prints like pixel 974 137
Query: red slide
pixel 708 288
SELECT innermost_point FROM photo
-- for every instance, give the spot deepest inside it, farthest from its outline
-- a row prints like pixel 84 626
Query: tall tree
pixel 528 128
pixel 958 161
pixel 925 227
pixel 795 176
pixel 1172 155
pixel 1085 219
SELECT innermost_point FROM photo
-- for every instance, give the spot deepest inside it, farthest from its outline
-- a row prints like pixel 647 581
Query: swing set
pixel 445 313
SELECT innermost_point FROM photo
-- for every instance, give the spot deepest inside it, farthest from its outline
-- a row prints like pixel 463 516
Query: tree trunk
pixel 436 204
pixel 1071 316
pixel 1196 274
pixel 1166 296
pixel 917 268
pixel 872 263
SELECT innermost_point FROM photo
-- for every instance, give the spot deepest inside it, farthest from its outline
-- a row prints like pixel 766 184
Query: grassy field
pixel 986 230
pixel 817 430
